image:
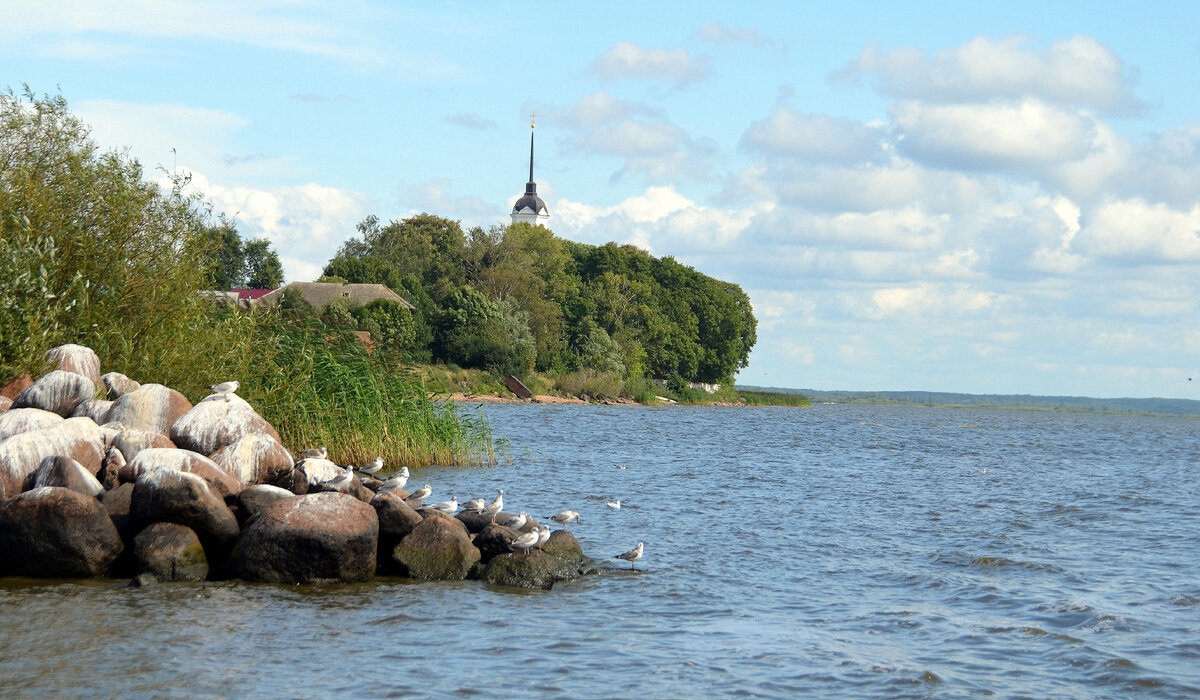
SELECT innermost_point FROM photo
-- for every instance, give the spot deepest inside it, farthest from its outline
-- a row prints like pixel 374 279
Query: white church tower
pixel 530 208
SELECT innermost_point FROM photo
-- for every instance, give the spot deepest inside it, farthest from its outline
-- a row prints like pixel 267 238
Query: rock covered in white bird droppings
pixel 96 409
pixel 79 359
pixel 162 458
pixel 218 421
pixel 21 454
pixel 58 392
pixel 67 473
pixel 152 407
pixel 320 471
pixel 24 420
pixel 255 458
pixel 117 385
pixel 131 441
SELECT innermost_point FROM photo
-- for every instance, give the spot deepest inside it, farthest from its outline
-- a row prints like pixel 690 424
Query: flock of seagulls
pixel 534 538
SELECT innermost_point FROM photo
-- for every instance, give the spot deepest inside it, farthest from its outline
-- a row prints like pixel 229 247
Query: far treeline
pixel 1064 404
pixel 517 299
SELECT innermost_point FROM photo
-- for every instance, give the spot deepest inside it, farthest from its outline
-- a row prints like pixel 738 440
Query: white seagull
pixel 493 509
pixel 316 452
pixel 543 534
pixel 615 505
pixel 517 522
pixel 421 493
pixel 475 505
pixel 529 539
pixel 564 518
pixel 373 467
pixel 224 388
pixel 631 556
pixel 448 507
pixel 343 481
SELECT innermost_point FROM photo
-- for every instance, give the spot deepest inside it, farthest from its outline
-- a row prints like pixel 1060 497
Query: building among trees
pixel 530 208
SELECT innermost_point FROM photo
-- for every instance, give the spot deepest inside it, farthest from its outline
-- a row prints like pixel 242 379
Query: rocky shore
pixel 143 484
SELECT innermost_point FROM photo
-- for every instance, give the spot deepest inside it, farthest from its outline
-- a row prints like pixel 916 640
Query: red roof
pixel 250 293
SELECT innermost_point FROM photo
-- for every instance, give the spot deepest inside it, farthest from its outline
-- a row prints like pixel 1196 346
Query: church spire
pixel 530 208
pixel 531 128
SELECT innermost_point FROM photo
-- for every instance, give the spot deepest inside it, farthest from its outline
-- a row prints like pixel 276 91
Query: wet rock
pixel 308 539
pixel 21 454
pixel 529 569
pixel 255 499
pixel 79 359
pixel 156 458
pixel 168 496
pixel 437 549
pixel 564 546
pixel 67 473
pixel 170 552
pixel 117 385
pixel 255 458
pixel 475 522
pixel 396 521
pixel 493 541
pixel 96 409
pixel 53 532
pixel 151 407
pixel 58 392
pixel 218 421
pixel 131 441
pixel 24 420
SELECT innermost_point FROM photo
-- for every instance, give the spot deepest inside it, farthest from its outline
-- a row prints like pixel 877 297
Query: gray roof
pixel 321 293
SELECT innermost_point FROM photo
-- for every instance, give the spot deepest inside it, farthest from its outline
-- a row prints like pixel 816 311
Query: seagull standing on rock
pixel 315 453
pixel 344 481
pixel 493 509
pixel 448 507
pixel 475 505
pixel 564 518
pixel 373 467
pixel 525 541
pixel 397 481
pixel 224 388
pixel 543 534
pixel 422 493
pixel 517 522
pixel 631 556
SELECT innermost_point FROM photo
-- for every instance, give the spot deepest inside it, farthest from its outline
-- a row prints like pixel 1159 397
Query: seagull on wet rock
pixel 631 556
pixel 543 534
pixel 449 507
pixel 564 518
pixel 517 522
pixel 422 493
pixel 493 509
pixel 475 505
pixel 525 541
pixel 373 467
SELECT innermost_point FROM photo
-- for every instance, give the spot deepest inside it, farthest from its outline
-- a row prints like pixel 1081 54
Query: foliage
pixel 591 383
pixel 263 269
pixel 233 262
pixel 394 326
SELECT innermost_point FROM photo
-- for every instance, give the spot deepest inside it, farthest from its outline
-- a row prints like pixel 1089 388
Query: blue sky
pixel 975 197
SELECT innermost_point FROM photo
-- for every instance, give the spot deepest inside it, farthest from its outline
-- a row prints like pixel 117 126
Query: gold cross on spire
pixel 532 121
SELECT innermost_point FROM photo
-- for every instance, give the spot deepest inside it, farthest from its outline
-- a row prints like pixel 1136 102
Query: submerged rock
pixel 53 532
pixel 171 552
pixel 58 392
pixel 309 539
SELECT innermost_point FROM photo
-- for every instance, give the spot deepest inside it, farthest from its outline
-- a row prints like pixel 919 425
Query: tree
pixel 263 269
pixel 227 255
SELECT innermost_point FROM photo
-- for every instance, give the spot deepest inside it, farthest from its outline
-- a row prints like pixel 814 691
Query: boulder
pixel 58 392
pixel 21 454
pixel 255 499
pixel 437 549
pixel 152 407
pixel 155 458
pixel 169 496
pixel 131 441
pixel 475 522
pixel 117 385
pixel 171 552
pixel 67 473
pixel 53 532
pixel 79 359
pixel 396 520
pixel 529 569
pixel 218 421
pixel 5 403
pixel 493 541
pixel 308 539
pixel 110 468
pixel 96 409
pixel 13 388
pixel 563 545
pixel 294 481
pixel 255 459
pixel 318 470
pixel 24 420
pixel 117 501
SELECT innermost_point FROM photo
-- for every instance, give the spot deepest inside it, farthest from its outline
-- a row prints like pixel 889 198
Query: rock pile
pixel 103 476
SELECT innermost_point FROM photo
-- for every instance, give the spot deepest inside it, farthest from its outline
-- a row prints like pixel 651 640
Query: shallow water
pixel 836 551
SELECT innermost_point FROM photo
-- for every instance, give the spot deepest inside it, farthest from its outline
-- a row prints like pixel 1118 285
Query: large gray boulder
pixel 255 499
pixel 53 532
pixel 437 549
pixel 168 496
pixel 560 559
pixel 58 392
pixel 309 539
pixel 396 520
pixel 493 541
pixel 22 454
pixel 24 420
pixel 79 359
pixel 96 409
pixel 152 407
pixel 255 458
pixel 117 385
pixel 171 552
pixel 67 473
pixel 155 458
pixel 131 441
pixel 218 421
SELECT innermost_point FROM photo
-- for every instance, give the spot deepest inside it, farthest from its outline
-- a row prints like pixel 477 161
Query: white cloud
pixel 1133 232
pixel 627 60
pixel 719 33
pixel 814 137
pixel 1075 71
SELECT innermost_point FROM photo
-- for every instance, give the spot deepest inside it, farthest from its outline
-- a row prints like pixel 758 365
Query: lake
pixel 831 551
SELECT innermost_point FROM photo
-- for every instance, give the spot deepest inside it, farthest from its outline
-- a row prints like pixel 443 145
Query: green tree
pixel 263 269
pixel 227 255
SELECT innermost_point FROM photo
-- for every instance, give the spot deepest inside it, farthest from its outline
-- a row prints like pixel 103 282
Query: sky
pixel 992 198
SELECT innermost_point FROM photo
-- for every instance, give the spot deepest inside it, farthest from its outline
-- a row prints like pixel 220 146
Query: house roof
pixel 321 293
pixel 250 294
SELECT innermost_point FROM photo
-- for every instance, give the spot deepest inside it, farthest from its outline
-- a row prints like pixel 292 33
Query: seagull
pixel 344 480
pixel 622 466
pixel 422 493
pixel 543 534
pixel 373 467
pixel 475 505
pixel 615 505
pixel 448 507
pixel 316 453
pixel 493 509
pixel 529 539
pixel 225 388
pixel 397 481
pixel 564 518
pixel 517 522
pixel 631 556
